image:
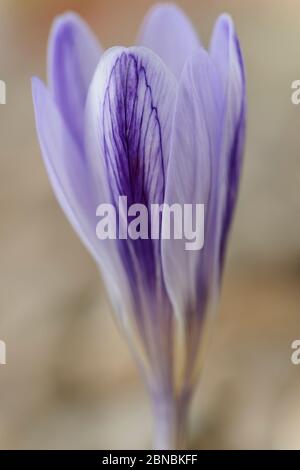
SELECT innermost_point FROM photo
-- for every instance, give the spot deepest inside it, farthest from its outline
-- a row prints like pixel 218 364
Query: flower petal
pixel 168 32
pixel 129 115
pixel 128 122
pixel 226 53
pixel 73 186
pixel 65 167
pixel 193 159
pixel 73 55
pixel 193 153
pixel 207 146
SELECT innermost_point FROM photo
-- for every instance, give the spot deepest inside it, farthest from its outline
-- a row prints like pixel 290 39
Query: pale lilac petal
pixel 188 274
pixel 169 33
pixel 65 167
pixel 207 145
pixel 226 53
pixel 73 55
pixel 73 186
pixel 128 123
pixel 189 179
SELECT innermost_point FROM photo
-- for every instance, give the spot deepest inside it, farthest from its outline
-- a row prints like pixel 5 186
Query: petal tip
pixel 65 23
pixel 163 12
pixel 225 22
pixel 68 18
pixel 166 8
pixel 168 31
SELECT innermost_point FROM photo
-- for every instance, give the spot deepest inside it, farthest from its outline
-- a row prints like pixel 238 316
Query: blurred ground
pixel 69 381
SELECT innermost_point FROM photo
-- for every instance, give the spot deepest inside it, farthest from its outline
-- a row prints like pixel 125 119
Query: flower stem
pixel 170 420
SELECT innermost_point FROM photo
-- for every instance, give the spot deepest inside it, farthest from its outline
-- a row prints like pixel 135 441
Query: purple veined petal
pixel 73 54
pixel 169 33
pixel 226 53
pixel 128 125
pixel 189 181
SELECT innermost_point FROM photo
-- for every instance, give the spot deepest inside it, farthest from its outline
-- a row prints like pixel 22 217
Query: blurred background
pixel 69 381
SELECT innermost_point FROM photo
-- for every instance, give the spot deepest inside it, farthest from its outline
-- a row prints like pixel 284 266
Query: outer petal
pixel 73 184
pixel 65 166
pixel 194 147
pixel 128 122
pixel 226 53
pixel 190 178
pixel 210 110
pixel 73 55
pixel 168 32
pixel 189 181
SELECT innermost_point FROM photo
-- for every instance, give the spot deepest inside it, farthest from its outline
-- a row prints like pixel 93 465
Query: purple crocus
pixel 159 122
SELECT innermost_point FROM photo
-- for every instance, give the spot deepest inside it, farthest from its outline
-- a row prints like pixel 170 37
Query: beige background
pixel 69 381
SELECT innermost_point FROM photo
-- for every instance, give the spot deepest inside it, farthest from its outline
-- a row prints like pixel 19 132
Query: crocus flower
pixel 159 122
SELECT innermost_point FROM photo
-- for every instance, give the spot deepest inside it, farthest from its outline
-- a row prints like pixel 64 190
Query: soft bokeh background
pixel 69 381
